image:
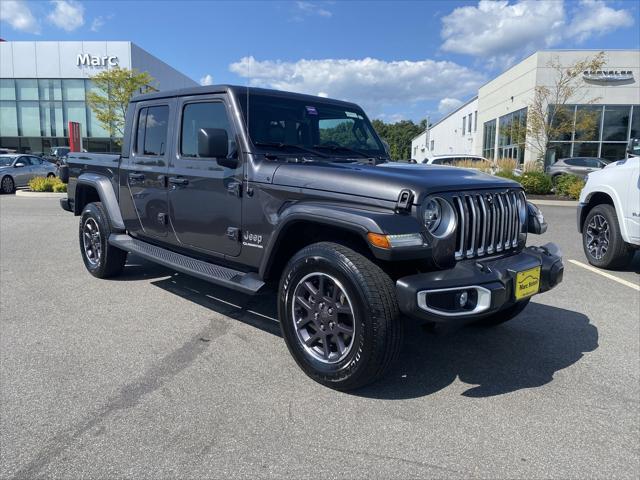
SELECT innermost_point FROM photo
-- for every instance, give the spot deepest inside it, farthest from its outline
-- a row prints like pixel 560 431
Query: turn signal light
pixel 395 241
pixel 377 240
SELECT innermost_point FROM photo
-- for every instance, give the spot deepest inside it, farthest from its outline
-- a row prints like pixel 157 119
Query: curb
pixel 555 203
pixel 27 193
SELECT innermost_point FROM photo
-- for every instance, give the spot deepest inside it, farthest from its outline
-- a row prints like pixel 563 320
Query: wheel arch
pixel 92 187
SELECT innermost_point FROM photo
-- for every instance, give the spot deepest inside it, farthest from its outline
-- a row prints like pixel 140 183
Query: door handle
pixel 136 176
pixel 178 181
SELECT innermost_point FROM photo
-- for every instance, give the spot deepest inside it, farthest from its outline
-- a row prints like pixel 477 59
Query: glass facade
pixel 489 140
pixel 512 133
pixel 34 115
pixel 598 131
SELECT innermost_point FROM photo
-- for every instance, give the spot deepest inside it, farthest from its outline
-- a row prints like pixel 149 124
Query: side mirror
pixel 63 173
pixel 214 143
pixel 535 220
pixel 633 147
pixel 19 165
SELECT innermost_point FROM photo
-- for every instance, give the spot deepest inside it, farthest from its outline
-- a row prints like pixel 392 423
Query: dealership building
pixel 44 85
pixel 490 124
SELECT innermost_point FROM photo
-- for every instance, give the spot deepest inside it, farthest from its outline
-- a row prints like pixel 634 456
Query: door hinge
pixel 405 199
pixel 233 233
pixel 235 188
pixel 162 218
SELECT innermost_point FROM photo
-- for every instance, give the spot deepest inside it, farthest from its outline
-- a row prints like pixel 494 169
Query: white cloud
pixel 312 8
pixel 19 16
pixel 447 105
pixel 99 22
pixel 594 17
pixel 370 82
pixel 500 31
pixel 206 80
pixel 67 15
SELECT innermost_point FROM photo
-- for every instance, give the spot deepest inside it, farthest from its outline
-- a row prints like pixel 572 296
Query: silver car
pixel 580 166
pixel 17 169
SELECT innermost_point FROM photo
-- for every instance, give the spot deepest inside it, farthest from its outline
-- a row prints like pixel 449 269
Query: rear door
pixel 146 168
pixel 204 196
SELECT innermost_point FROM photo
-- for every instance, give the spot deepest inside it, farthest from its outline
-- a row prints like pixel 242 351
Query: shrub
pixel 569 185
pixel 507 165
pixel 508 174
pixel 532 166
pixel 49 184
pixel 536 183
pixel 483 166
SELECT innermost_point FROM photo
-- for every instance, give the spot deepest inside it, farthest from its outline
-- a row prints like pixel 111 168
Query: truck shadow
pixel 524 353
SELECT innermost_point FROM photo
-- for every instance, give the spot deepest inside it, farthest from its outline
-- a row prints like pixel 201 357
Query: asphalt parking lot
pixel 158 375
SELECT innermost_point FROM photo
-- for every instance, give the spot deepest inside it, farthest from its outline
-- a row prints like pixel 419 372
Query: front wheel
pixel 339 316
pixel 7 185
pixel 101 259
pixel 602 241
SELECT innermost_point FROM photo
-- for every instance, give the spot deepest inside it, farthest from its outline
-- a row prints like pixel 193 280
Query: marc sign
pixel 608 75
pixel 87 60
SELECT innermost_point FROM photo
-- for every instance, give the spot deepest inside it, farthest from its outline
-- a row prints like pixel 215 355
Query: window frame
pixel 144 106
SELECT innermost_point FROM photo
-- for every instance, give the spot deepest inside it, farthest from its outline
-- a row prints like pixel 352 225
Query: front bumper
pixel 492 280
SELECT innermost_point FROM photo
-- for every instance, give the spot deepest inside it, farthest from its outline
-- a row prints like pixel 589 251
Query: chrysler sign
pixel 608 75
pixel 87 60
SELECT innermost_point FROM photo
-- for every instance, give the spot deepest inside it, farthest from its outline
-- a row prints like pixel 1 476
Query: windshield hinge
pixel 404 201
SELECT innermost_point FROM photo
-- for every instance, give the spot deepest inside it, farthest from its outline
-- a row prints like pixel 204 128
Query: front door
pixel 22 175
pixel 204 196
pixel 146 168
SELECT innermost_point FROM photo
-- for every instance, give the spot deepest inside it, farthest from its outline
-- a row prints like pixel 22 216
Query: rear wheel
pixel 602 241
pixel 503 316
pixel 101 259
pixel 7 185
pixel 50 175
pixel 339 316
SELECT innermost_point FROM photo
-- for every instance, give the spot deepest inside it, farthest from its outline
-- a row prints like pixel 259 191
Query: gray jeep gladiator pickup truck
pixel 243 187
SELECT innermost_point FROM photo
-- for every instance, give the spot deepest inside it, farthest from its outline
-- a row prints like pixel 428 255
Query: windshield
pixel 328 128
pixel 6 161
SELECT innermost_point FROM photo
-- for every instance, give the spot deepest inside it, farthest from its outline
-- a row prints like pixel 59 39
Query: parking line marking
pixel 605 274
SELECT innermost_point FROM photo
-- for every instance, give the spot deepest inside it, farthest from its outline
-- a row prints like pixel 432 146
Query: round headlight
pixel 439 217
pixel 432 215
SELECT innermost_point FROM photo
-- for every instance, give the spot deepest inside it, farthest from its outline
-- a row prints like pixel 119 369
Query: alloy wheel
pixel 92 241
pixel 7 185
pixel 323 317
pixel 598 236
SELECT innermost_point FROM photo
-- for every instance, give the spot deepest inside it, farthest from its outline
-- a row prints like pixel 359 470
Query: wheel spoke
pixel 312 339
pixel 341 345
pixel 300 300
pixel 326 347
pixel 311 288
pixel 346 329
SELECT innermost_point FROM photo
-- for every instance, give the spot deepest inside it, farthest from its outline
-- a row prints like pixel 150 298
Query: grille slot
pixel 488 223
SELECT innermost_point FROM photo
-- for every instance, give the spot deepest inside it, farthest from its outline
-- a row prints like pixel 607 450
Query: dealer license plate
pixel 527 283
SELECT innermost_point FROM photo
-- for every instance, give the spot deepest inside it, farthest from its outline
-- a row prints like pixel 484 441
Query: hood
pixel 385 181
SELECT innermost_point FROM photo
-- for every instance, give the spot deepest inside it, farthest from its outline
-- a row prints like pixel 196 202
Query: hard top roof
pixel 236 90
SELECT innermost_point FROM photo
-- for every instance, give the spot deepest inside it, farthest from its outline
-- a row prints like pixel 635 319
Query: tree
pixel 110 97
pixel 398 135
pixel 548 116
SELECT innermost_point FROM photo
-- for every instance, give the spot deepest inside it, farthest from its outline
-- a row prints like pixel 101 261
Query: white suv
pixel 609 212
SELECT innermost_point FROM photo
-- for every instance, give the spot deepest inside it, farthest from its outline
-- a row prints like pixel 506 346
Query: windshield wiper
pixel 335 148
pixel 291 145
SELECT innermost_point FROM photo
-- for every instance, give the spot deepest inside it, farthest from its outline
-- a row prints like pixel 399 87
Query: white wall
pixel 447 135
pixel 60 60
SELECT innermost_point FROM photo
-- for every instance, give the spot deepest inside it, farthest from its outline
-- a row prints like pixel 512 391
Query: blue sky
pixel 398 59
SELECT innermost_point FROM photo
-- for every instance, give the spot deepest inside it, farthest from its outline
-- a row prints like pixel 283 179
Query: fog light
pixel 462 299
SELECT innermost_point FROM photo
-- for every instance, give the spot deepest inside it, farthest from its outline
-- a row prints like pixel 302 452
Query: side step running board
pixel 245 282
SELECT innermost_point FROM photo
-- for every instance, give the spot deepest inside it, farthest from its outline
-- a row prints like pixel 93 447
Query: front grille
pixel 488 223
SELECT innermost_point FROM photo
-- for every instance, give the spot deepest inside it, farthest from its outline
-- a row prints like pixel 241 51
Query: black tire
pixel 503 316
pixel 617 253
pixel 101 259
pixel 51 175
pixel 7 185
pixel 376 322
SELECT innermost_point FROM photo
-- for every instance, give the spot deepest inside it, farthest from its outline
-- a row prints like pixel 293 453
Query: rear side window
pixel 151 136
pixel 196 116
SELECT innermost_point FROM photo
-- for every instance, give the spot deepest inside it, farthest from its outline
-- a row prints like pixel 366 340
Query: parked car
pixel 453 159
pixel 580 166
pixel 609 212
pixel 57 154
pixel 17 169
pixel 243 186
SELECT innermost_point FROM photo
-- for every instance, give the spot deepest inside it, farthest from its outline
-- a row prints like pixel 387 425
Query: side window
pixel 592 163
pixel 573 162
pixel 151 135
pixel 202 115
pixel 35 161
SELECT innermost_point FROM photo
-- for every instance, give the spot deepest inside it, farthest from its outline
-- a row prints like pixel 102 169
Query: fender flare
pixel 107 195
pixel 353 220
pixel 617 205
